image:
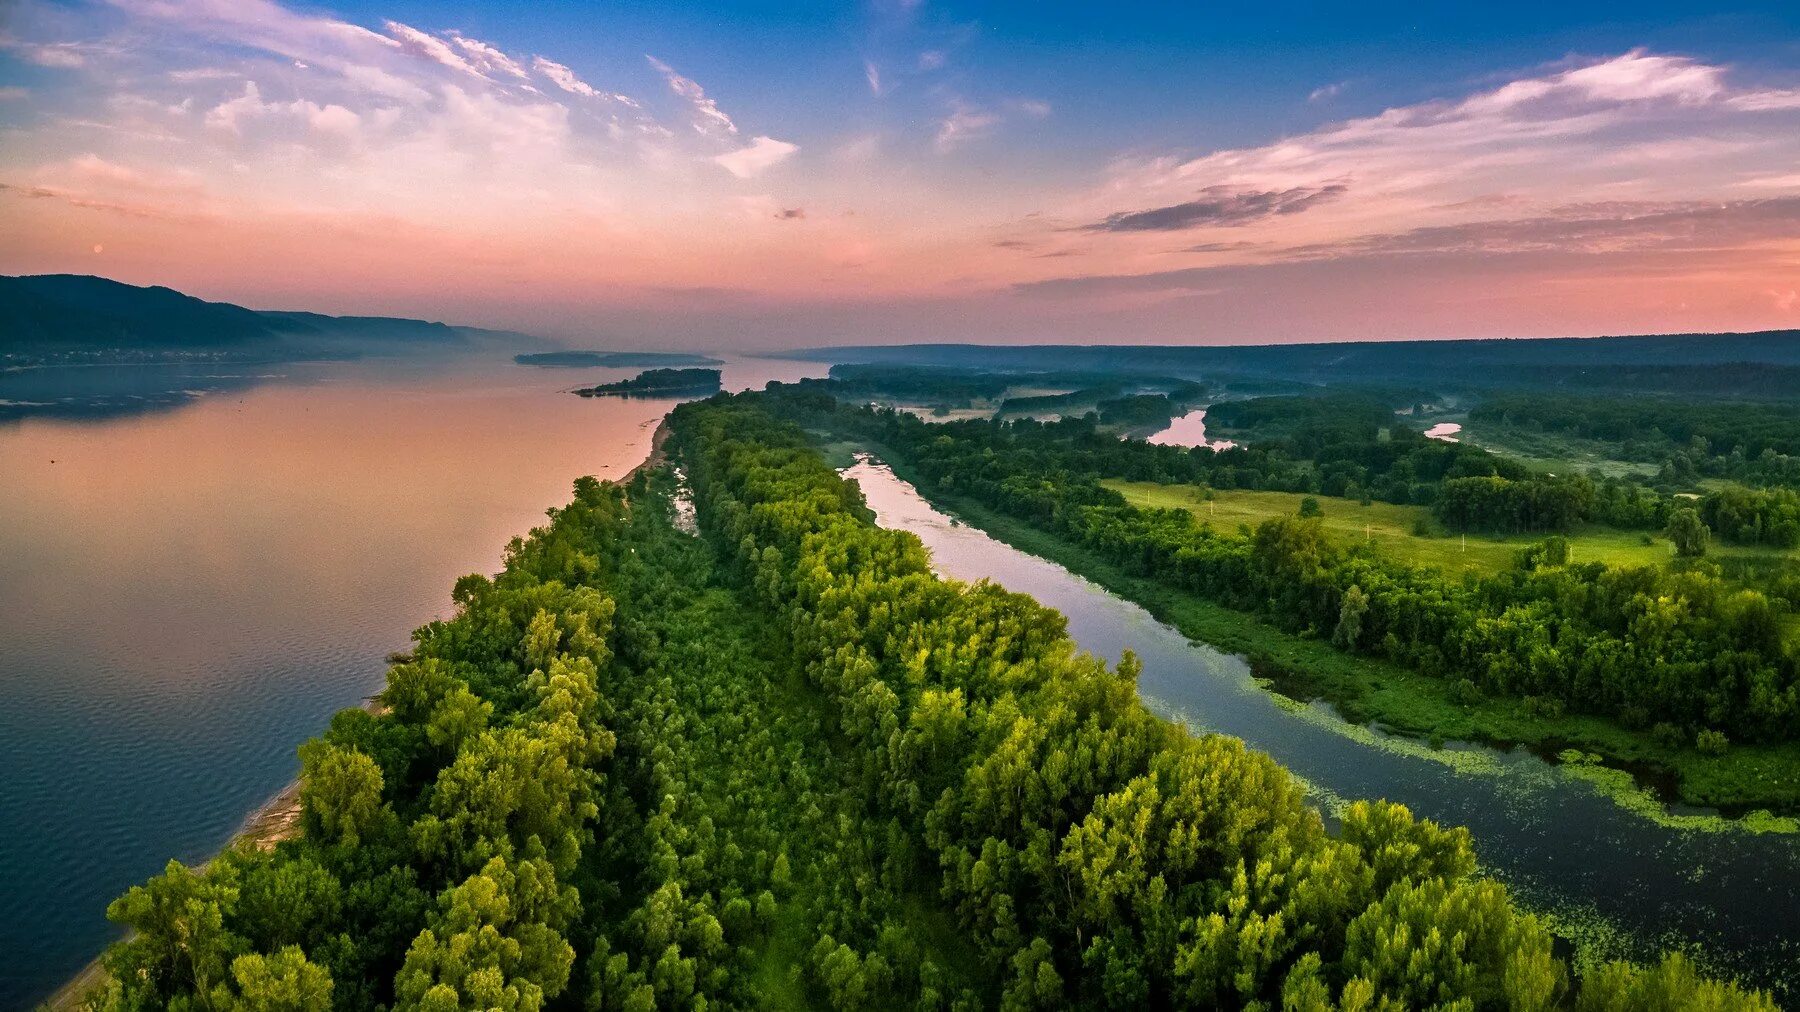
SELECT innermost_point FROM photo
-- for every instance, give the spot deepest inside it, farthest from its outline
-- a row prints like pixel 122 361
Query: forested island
pixel 611 359
pixel 781 764
pixel 658 383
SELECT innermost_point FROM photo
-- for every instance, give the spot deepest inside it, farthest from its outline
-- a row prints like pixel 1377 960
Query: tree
pixel 1350 618
pixel 1309 507
pixel 181 944
pixel 283 982
pixel 1688 532
pixel 340 792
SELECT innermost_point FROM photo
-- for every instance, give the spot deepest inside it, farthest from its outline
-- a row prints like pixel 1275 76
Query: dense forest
pixel 1680 651
pixel 781 764
pixel 1716 428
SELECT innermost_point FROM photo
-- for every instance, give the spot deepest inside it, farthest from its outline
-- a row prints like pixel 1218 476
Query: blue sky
pixel 785 173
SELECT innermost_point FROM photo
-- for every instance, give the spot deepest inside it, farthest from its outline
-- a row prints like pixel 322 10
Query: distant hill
pixel 60 315
pixel 1529 361
pixel 611 359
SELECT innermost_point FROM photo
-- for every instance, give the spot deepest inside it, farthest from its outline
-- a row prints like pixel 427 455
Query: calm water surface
pixel 190 588
pixel 1189 430
pixel 1606 874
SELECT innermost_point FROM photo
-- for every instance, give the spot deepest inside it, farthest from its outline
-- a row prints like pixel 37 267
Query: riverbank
pixel 275 820
pixel 1745 785
pixel 270 823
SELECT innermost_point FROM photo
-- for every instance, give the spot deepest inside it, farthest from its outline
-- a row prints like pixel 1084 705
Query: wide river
pixel 1616 879
pixel 191 585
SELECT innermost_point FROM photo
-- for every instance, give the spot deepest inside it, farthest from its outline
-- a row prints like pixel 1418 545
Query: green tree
pixel 340 793
pixel 1688 532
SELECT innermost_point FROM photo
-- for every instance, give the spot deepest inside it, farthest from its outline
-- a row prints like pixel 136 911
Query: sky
pixel 760 175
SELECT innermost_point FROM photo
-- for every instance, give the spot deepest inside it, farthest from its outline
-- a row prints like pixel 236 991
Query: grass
pixel 1552 452
pixel 1390 529
pixel 1745 780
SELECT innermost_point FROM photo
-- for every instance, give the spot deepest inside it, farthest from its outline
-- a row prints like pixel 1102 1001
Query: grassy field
pixel 1552 452
pixel 1390 529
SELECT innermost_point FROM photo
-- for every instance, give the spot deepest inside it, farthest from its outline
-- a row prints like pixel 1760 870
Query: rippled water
pixel 189 590
pixel 1610 876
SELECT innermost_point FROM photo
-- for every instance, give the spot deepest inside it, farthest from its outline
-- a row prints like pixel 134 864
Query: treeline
pixel 1717 428
pixel 1137 410
pixel 1544 503
pixel 1095 855
pixel 658 381
pixel 1683 650
pixel 1729 381
pixel 1754 517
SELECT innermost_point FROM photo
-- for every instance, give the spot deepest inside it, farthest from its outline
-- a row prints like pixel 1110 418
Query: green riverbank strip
pixel 1366 691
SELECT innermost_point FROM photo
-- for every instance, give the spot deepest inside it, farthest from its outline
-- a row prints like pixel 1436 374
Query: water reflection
pixel 1189 430
pixel 185 595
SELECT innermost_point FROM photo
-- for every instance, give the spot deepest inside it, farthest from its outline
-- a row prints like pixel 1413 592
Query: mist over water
pixel 190 589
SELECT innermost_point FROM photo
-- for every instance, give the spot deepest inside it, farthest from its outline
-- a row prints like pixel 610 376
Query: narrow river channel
pixel 1614 880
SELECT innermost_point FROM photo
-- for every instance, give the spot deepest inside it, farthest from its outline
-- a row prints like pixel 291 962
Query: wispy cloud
pixel 873 74
pixel 708 115
pixel 565 78
pixel 963 123
pixel 486 57
pixel 1220 205
pixel 430 47
pixel 64 55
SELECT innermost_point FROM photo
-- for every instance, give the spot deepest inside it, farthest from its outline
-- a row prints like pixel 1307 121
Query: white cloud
pixel 933 59
pixel 430 47
pixel 486 57
pixel 564 78
pixel 1326 93
pixel 873 74
pixel 710 116
pixel 760 154
pixel 234 114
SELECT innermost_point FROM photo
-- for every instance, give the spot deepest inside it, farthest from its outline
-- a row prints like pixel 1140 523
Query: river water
pixel 199 565
pixel 1609 877
pixel 1189 430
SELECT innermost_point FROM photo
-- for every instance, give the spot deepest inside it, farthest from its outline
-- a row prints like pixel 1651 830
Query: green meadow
pixel 1390 529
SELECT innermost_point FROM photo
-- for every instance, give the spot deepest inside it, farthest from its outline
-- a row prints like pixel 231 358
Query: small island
pixel 659 383
pixel 611 359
